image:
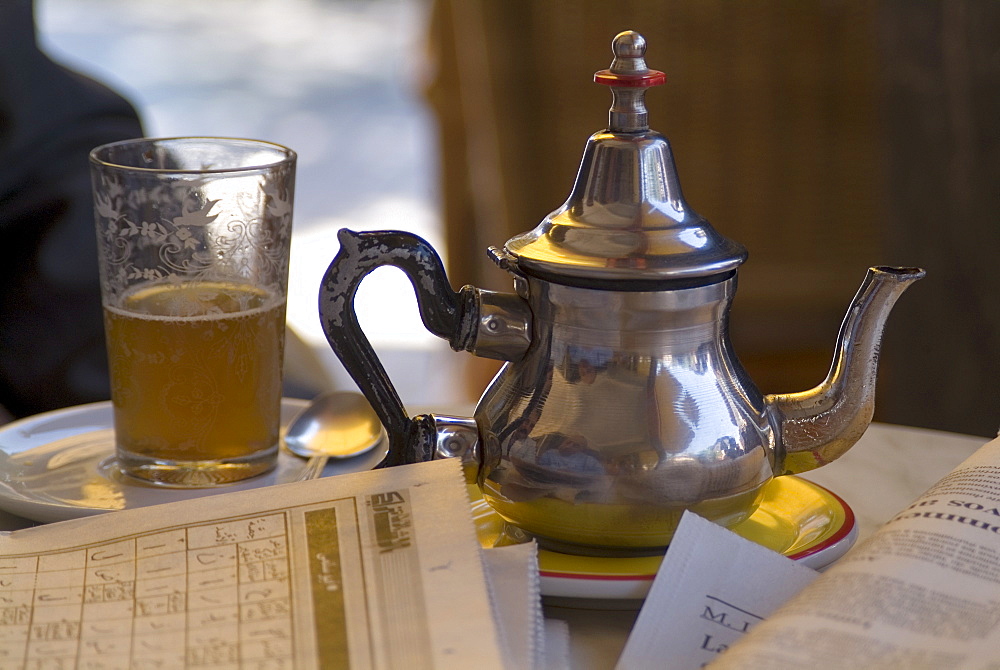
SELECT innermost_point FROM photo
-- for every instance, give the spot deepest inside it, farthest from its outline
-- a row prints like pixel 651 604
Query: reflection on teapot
pixel 621 403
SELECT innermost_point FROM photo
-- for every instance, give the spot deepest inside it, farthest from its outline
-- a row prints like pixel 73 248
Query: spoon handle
pixel 314 468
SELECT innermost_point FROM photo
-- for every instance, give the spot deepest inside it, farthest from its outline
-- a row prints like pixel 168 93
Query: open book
pixel 379 569
pixel 922 592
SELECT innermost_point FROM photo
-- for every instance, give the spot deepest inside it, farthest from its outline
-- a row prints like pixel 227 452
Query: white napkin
pixel 512 577
pixel 712 587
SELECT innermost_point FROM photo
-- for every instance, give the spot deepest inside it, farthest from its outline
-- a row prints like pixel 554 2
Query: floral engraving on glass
pixel 177 231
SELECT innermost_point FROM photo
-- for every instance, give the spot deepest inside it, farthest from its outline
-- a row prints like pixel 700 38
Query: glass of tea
pixel 193 242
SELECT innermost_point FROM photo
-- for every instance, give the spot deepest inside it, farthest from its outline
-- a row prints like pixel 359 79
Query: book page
pixel 378 569
pixel 923 592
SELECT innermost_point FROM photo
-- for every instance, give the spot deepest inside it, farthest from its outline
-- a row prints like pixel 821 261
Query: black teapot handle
pixel 448 314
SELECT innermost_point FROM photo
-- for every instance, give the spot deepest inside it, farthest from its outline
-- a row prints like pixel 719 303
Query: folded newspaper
pixel 378 569
pixel 922 592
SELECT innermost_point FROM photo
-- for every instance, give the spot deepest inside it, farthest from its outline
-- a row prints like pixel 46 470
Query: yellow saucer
pixel 797 518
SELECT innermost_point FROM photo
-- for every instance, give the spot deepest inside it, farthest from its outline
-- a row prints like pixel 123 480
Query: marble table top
pixel 886 470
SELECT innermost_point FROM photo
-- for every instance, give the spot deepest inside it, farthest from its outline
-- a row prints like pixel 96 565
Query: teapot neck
pixel 642 318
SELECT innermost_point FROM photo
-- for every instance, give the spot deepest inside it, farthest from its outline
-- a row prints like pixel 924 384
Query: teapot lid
pixel 625 225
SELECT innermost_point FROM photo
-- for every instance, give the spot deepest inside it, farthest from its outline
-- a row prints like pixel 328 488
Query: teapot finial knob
pixel 629 77
pixel 629 48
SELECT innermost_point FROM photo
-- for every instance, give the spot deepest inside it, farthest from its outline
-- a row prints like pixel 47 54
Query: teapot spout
pixel 817 426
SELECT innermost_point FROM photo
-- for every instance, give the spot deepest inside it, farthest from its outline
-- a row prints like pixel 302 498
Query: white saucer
pixel 58 465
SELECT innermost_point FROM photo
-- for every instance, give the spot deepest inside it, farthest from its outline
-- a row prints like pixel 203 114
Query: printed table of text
pixel 211 596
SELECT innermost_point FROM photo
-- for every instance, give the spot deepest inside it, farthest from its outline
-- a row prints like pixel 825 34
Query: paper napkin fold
pixel 712 587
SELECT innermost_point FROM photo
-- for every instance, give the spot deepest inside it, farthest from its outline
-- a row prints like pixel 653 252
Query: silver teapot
pixel 621 403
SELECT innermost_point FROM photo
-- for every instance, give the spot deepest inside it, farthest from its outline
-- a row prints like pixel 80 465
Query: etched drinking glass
pixel 193 238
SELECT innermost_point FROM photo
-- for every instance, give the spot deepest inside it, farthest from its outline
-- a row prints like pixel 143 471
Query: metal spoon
pixel 336 425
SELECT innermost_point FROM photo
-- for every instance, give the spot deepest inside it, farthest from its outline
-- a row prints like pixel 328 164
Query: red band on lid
pixel 644 80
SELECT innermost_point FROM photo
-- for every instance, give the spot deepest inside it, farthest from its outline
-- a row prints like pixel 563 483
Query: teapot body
pixel 616 409
pixel 627 409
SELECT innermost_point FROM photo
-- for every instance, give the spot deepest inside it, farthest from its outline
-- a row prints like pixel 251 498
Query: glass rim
pixel 286 155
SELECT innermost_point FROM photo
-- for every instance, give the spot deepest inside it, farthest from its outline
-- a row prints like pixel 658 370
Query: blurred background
pixel 338 82
pixel 825 136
